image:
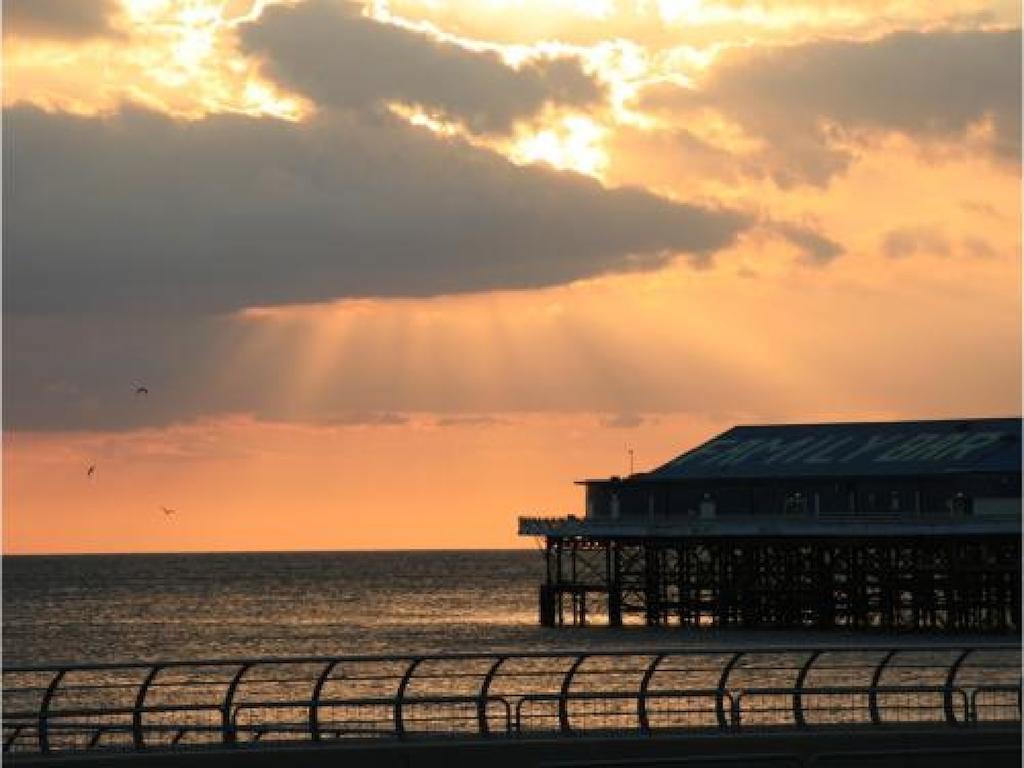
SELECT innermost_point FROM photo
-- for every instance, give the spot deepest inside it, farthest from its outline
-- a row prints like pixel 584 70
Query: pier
pixel 765 705
pixel 897 526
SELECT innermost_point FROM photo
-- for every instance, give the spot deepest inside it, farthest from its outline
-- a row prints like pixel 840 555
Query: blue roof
pixel 854 449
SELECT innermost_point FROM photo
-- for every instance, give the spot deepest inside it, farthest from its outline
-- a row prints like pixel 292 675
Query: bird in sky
pixel 141 390
pixel 167 511
pixel 91 471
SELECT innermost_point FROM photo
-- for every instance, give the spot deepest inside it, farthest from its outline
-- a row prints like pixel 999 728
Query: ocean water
pixel 143 607
pixel 131 608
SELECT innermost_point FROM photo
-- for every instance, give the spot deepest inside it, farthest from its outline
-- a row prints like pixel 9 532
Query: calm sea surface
pixel 138 607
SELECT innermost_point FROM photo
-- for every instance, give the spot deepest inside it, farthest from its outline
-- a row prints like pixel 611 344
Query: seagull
pixel 90 471
pixel 167 512
pixel 141 390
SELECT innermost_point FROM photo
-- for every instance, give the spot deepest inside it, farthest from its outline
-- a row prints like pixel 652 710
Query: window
pixel 707 506
pixel 961 505
pixel 795 504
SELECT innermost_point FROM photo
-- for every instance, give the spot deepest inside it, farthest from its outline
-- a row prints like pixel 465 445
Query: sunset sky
pixel 394 273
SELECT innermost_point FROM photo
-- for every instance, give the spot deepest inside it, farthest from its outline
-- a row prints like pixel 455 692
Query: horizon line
pixel 267 551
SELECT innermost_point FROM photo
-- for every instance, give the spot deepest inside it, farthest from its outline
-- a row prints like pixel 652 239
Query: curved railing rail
pixel 167 704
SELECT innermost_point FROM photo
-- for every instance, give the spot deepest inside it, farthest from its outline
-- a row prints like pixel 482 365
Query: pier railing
pixel 172 704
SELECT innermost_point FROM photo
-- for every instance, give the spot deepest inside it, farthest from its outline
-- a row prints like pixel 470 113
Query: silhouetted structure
pixel 896 525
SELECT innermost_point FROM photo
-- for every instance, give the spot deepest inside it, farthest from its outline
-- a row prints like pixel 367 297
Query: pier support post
pixel 652 584
pixel 612 570
pixel 547 605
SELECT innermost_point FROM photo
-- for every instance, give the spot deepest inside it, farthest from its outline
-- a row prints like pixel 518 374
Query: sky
pixel 395 273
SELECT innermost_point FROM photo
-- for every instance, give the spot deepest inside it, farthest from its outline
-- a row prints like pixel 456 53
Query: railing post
pixel 400 696
pixel 100 730
pixel 723 722
pixel 798 699
pixel 947 694
pixel 876 677
pixel 229 731
pixel 641 699
pixel 314 704
pixel 44 711
pixel 563 695
pixel 737 704
pixel 9 741
pixel 481 702
pixel 138 736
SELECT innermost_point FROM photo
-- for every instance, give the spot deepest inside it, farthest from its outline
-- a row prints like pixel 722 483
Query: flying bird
pixel 141 390
pixel 90 471
pixel 167 512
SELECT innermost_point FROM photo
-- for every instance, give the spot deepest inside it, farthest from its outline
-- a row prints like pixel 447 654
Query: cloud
pixel 978 247
pixel 58 19
pixel 815 247
pixel 340 58
pixel 907 241
pixel 670 156
pixel 622 421
pixel 135 211
pixel 472 420
pixel 981 208
pixel 932 241
pixel 359 419
pixel 807 102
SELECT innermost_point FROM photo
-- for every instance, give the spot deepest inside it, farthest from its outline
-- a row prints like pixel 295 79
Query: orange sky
pixel 872 269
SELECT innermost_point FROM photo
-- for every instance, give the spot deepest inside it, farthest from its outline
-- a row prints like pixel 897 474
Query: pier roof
pixel 907 448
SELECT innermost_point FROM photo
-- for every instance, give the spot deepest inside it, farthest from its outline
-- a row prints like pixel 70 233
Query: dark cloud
pixel 59 19
pixel 338 57
pixel 807 101
pixel 815 247
pixel 907 241
pixel 129 240
pixel 138 211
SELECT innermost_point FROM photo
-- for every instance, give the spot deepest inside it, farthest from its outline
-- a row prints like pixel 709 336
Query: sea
pixel 99 608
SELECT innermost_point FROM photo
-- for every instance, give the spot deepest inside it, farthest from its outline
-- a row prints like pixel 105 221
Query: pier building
pixel 891 525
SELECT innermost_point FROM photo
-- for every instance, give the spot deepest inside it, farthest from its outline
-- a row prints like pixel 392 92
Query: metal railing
pixel 170 704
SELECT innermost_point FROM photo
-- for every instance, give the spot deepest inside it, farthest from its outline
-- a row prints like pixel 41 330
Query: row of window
pixel 938 500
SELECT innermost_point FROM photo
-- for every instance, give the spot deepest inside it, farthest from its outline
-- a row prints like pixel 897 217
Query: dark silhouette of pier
pixel 896 526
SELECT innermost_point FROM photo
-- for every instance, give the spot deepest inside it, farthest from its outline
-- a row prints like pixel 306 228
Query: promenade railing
pixel 178 703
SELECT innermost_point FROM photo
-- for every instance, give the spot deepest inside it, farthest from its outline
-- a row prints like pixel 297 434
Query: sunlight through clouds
pixel 178 56
pixel 574 145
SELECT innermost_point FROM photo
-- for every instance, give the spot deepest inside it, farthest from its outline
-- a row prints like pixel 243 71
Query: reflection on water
pixel 126 607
